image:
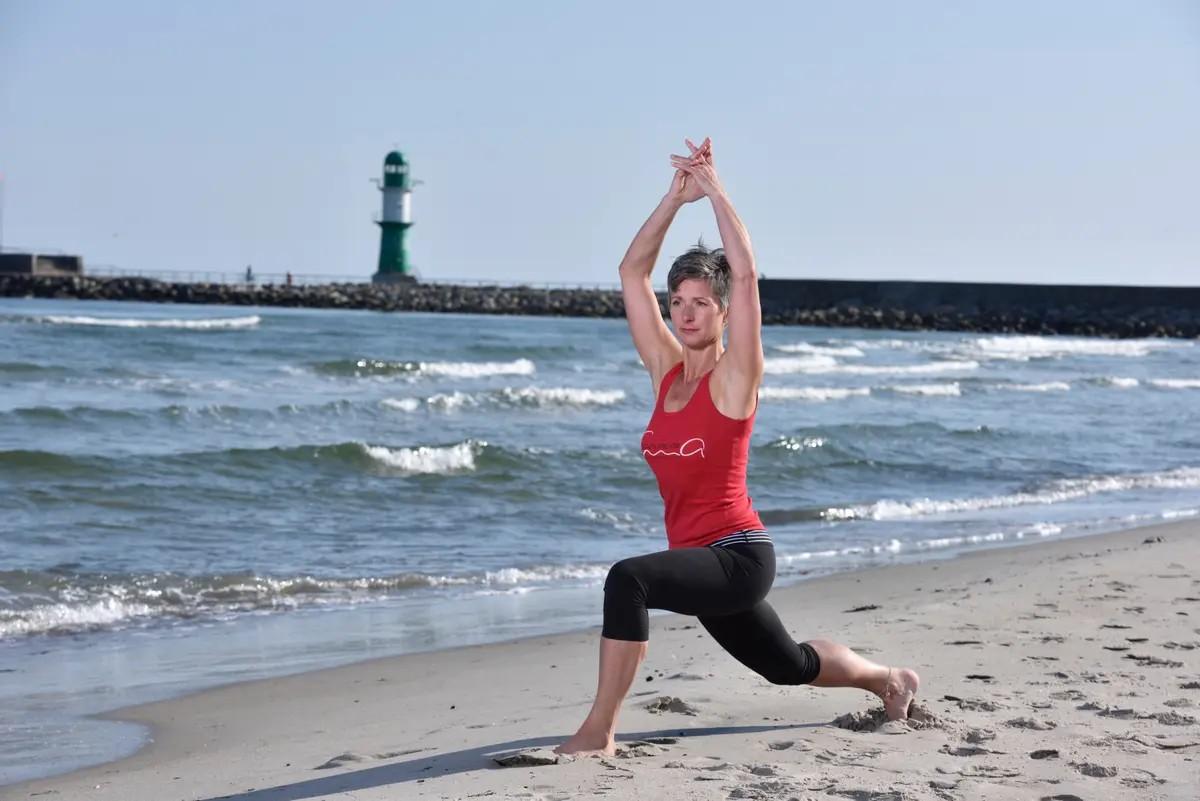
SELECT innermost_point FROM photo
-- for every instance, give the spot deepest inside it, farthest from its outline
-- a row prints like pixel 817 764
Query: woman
pixel 720 563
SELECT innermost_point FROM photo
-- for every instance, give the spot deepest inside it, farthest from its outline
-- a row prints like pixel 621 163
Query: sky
pixel 968 141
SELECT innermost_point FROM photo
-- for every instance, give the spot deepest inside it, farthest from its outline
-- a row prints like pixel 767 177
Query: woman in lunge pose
pixel 720 562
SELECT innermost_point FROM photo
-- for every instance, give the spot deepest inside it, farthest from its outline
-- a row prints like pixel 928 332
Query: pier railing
pixel 309 279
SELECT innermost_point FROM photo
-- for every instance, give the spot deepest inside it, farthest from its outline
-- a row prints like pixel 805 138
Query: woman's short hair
pixel 705 264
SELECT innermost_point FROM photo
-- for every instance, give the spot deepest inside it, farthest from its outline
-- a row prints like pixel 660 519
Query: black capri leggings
pixel 724 586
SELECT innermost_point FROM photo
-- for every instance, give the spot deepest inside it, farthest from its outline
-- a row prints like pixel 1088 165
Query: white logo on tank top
pixel 692 447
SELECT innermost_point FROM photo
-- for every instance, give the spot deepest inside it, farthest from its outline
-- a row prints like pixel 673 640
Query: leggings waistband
pixel 739 537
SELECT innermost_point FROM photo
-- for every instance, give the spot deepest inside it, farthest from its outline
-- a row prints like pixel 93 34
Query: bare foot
pixel 586 743
pixel 899 692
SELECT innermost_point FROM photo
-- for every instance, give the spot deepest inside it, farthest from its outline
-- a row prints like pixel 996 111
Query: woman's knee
pixel 625 615
pixel 624 579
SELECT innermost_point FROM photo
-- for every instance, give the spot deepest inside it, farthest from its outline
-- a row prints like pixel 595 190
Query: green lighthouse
pixel 395 220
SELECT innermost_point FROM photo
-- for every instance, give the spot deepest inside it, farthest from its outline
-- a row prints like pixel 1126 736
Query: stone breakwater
pixel 1153 321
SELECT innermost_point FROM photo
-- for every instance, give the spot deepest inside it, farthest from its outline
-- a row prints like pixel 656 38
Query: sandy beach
pixel 1063 669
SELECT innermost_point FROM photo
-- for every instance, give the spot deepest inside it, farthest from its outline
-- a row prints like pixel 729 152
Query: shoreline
pixel 264 715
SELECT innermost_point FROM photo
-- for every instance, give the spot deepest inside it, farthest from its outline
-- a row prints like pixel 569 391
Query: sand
pixel 1059 670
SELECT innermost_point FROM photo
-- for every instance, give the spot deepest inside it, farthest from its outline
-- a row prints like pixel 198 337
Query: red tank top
pixel 699 457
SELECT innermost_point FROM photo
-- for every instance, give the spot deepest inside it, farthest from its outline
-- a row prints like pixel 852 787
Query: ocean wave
pixel 932 390
pixel 928 368
pixel 1119 382
pixel 1175 383
pixel 1025 348
pixel 798 364
pixel 209 324
pixel 562 396
pixel 31 370
pixel 811 393
pixel 1048 386
pixel 799 443
pixel 34 602
pixel 1054 492
pixel 818 364
pixel 528 397
pixel 821 350
pixel 426 459
pixel 375 368
pixel 402 404
pixel 896 546
pixel 622 521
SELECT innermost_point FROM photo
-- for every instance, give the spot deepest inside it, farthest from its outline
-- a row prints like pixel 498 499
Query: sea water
pixel 193 495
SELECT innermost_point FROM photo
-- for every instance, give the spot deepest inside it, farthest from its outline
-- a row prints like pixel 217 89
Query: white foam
pixel 403 404
pixel 1056 492
pixel 810 393
pixel 947 390
pixel 820 350
pixel 623 521
pixel 1176 383
pixel 451 459
pixel 1175 514
pixel 798 364
pixel 1024 348
pixel 515 575
pixel 1120 383
pixel 452 401
pixel 929 368
pixel 800 443
pixel 1049 386
pixel 102 613
pixel 563 396
pixel 476 369
pixel 212 323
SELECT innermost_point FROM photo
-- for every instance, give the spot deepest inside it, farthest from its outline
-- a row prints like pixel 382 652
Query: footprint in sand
pixel 1094 770
pixel 1035 724
pixel 1153 661
pixel 966 750
pixel 974 704
pixel 350 756
pixel 977 736
pixel 522 759
pixel 669 703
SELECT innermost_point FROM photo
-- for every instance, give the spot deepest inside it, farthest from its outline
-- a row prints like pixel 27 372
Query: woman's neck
pixel 698 362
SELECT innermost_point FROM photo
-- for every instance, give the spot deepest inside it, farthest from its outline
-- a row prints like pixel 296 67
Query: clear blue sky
pixel 1024 141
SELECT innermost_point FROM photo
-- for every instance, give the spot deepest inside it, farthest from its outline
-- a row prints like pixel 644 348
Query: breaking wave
pixel 213 323
pixel 368 368
pixel 1054 492
pixel 811 393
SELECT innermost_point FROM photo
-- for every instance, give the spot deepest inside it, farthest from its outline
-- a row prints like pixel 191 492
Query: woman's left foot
pixel 899 691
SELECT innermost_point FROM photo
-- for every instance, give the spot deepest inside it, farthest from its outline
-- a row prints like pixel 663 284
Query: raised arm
pixel 742 362
pixel 654 342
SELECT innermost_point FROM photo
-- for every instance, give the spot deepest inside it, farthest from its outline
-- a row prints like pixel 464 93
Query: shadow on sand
pixel 459 762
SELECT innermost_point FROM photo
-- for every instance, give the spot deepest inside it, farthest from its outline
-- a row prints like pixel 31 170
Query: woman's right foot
pixel 899 692
pixel 588 744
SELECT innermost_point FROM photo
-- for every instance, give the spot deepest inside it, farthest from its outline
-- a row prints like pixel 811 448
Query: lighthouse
pixel 395 220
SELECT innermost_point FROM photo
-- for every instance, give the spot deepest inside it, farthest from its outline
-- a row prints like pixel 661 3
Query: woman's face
pixel 695 314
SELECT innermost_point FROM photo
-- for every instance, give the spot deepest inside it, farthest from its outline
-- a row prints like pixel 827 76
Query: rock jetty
pixel 1152 321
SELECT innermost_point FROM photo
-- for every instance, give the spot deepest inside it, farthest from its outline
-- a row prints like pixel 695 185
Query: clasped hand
pixel 695 175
